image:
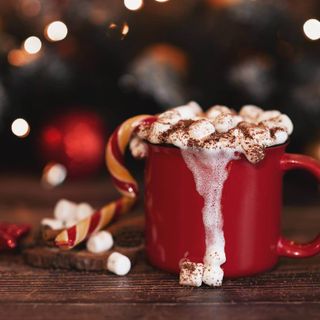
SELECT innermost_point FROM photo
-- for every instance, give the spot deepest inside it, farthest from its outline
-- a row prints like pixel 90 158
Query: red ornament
pixel 10 233
pixel 76 140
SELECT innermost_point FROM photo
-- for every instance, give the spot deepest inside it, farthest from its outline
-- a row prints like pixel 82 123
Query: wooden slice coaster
pixel 128 239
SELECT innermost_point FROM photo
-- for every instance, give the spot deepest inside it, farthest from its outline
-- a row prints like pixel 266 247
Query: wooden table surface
pixel 290 291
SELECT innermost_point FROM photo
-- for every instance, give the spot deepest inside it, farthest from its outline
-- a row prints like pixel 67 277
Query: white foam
pixel 210 173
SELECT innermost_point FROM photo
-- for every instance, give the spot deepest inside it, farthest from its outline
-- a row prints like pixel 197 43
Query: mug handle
pixel 285 247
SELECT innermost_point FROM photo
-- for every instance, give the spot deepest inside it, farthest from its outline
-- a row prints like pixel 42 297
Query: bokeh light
pixel 162 0
pixel 32 45
pixel 133 4
pixel 54 174
pixel 118 31
pixel 20 128
pixel 311 29
pixel 56 31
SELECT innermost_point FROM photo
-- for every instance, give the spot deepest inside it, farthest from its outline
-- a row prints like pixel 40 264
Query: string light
pixel 20 128
pixel 118 31
pixel 133 4
pixel 125 29
pixel 32 45
pixel 311 29
pixel 54 174
pixel 56 31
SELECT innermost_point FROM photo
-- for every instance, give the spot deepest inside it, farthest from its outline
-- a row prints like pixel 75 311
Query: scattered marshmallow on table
pixel 118 264
pixel 212 275
pixel 65 210
pixel 100 242
pixel 191 273
pixel 54 224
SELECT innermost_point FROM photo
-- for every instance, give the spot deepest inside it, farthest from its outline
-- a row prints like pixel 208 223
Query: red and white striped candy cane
pixel 122 180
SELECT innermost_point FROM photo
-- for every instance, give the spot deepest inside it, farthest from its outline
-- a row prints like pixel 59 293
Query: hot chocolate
pixel 208 142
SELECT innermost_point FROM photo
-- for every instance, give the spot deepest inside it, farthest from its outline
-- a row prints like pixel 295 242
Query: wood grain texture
pixel 290 291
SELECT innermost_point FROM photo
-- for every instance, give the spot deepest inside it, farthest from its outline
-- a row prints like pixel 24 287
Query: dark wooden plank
pixel 83 311
pixel 289 282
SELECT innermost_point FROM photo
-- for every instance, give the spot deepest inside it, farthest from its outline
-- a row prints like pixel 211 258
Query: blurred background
pixel 72 70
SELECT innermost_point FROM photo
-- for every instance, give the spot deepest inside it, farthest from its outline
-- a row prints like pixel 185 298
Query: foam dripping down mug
pixel 251 205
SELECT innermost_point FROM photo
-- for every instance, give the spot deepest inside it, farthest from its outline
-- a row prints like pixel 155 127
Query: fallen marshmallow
pixel 65 210
pixel 212 275
pixel 201 129
pixel 224 122
pixel 100 242
pixel 83 210
pixel 52 223
pixel 215 111
pixel 118 264
pixel 191 273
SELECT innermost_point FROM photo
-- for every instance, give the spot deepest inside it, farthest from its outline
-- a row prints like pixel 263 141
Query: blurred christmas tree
pixel 118 58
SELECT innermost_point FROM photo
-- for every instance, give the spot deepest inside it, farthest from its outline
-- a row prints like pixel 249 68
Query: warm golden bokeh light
pixel 133 4
pixel 56 31
pixel 54 174
pixel 32 45
pixel 20 128
pixel 311 29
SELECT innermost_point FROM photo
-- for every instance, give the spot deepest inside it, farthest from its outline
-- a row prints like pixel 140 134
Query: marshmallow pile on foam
pixel 188 127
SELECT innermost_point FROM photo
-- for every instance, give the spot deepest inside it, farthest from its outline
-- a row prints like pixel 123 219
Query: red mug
pixel 251 209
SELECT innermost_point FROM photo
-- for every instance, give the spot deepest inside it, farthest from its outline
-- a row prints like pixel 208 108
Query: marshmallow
pixel 169 117
pixel 157 128
pixel 100 242
pixel 250 112
pixel 65 210
pixel 286 123
pixel 138 148
pixel 83 210
pixel 201 129
pixel 52 223
pixel 212 275
pixel 118 264
pixel 224 122
pixel 189 110
pixel 266 115
pixel 282 121
pixel 191 274
pixel 179 138
pixel 280 137
pixel 215 111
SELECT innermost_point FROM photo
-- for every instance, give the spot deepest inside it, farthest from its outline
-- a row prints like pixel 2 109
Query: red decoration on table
pixel 10 233
pixel 75 139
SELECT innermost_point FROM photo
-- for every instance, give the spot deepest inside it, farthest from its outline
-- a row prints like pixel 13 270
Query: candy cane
pixel 122 180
